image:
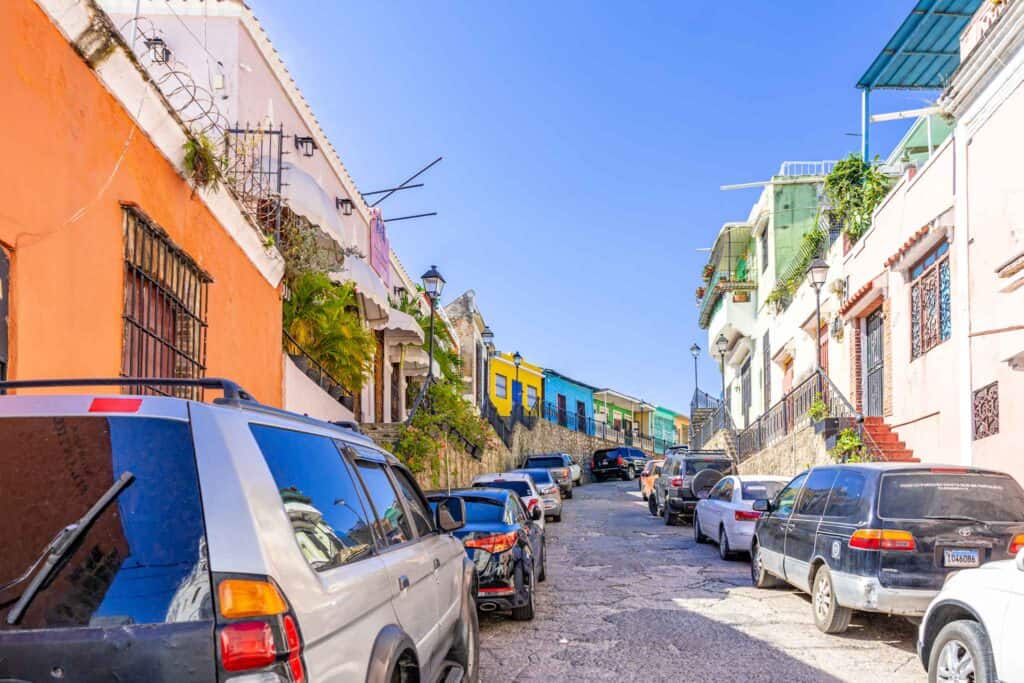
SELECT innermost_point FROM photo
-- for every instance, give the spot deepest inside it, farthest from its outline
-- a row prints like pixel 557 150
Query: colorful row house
pixel 568 402
pixel 514 384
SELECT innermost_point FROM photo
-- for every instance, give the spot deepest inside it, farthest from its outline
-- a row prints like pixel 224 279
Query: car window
pixel 540 476
pixel 324 502
pixel 846 495
pixel 657 470
pixel 758 490
pixel 518 510
pixel 481 510
pixel 695 466
pixel 982 495
pixel 716 491
pixel 544 461
pixel 727 490
pixel 392 520
pixel 673 467
pixel 815 495
pixel 787 497
pixel 421 516
pixel 523 488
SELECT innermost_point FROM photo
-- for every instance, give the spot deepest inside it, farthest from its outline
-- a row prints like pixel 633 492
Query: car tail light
pixel 294 643
pixel 1017 544
pixel 882 539
pixel 549 489
pixel 496 543
pixel 747 515
pixel 247 645
pixel 240 598
pixel 949 470
pixel 115 405
pixel 676 481
pixel 618 461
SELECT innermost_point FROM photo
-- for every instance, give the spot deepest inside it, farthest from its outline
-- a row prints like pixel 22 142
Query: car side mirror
pixel 536 514
pixel 450 514
pixel 1020 560
pixel 763 505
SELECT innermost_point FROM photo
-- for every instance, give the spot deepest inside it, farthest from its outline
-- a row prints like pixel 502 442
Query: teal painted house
pixel 663 429
pixel 568 402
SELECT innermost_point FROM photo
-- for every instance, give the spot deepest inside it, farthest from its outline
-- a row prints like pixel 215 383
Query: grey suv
pixel 157 538
pixel 686 478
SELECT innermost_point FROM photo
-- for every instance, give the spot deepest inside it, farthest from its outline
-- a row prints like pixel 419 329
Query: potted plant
pixel 741 297
pixel 700 292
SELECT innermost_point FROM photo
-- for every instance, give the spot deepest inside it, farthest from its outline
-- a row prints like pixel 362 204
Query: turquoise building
pixel 568 402
pixel 663 429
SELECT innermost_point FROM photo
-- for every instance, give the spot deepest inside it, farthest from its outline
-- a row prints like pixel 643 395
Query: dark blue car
pixel 507 546
pixel 882 537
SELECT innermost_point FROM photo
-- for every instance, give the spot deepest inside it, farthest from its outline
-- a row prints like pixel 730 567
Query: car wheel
pixel 652 504
pixel 569 494
pixel 556 518
pixel 829 615
pixel 466 650
pixel 525 613
pixel 670 519
pixel 724 549
pixel 961 652
pixel 759 576
pixel 698 535
pixel 542 577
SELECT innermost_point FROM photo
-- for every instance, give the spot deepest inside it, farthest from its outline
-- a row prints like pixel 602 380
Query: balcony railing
pixel 312 368
pixel 703 401
pixel 811 168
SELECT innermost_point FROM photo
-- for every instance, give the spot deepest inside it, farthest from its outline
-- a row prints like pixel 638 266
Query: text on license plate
pixel 960 557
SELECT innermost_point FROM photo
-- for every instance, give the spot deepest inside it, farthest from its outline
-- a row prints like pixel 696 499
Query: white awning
pixel 416 363
pixel 306 198
pixel 401 328
pixel 369 287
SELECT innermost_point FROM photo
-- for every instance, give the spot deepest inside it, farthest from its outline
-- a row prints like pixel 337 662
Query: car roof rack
pixel 232 391
pixel 350 425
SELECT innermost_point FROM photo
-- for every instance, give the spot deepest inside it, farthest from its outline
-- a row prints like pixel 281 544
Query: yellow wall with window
pixel 503 374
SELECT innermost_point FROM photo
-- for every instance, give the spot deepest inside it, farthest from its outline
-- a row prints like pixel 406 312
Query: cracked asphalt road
pixel 629 599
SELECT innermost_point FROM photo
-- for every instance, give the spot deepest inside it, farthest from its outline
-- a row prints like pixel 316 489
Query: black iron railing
pixel 703 401
pixel 312 368
pixel 701 433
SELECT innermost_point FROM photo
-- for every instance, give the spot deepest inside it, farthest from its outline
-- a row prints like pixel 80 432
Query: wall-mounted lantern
pixel 306 145
pixel 345 204
pixel 158 50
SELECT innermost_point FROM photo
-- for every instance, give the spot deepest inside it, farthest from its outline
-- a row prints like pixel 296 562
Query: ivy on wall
pixel 855 188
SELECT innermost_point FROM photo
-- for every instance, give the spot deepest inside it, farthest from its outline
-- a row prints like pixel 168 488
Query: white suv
pixel 158 538
pixel 972 629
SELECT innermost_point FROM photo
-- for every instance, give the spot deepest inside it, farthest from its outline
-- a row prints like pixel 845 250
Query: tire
pixel 829 615
pixel 698 535
pixel 725 550
pixel 963 643
pixel 466 650
pixel 526 612
pixel 568 496
pixel 652 505
pixel 670 519
pixel 556 518
pixel 630 474
pixel 542 577
pixel 640 486
pixel 759 576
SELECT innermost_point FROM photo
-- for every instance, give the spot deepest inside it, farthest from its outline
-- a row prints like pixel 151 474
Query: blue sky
pixel 584 144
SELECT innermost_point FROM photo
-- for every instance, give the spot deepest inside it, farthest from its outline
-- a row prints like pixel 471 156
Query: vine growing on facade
pixel 812 244
pixel 855 188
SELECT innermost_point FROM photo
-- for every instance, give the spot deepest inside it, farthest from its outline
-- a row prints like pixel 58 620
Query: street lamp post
pixel 695 352
pixel 722 344
pixel 818 273
pixel 517 359
pixel 433 285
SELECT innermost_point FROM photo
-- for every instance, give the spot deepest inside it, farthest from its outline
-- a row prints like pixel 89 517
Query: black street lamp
pixel 818 273
pixel 517 360
pixel 433 285
pixel 695 352
pixel 722 344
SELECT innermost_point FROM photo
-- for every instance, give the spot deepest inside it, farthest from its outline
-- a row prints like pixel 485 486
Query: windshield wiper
pixel 958 518
pixel 62 543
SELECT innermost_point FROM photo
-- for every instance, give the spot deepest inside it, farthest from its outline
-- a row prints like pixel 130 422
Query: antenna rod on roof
pixel 408 180
pixel 392 189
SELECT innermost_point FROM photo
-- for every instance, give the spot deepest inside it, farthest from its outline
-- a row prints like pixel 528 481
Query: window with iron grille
pixel 930 301
pixel 165 302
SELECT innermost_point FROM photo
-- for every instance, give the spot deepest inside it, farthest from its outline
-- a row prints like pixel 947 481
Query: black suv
pixel 622 462
pixel 882 537
pixel 686 478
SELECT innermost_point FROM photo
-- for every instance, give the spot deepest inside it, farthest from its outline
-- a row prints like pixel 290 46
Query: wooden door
pixel 378 380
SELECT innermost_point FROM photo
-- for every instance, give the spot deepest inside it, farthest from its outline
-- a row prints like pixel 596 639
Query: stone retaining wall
pixel 548 437
pixel 802 449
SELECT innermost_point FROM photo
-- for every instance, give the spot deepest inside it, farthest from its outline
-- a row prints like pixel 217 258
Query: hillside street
pixel 629 599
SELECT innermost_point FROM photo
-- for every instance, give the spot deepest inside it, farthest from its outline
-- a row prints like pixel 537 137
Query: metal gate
pixel 745 391
pixel 874 362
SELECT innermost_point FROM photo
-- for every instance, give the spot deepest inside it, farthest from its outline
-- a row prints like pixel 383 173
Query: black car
pixel 622 463
pixel 686 478
pixel 507 546
pixel 882 537
pixel 560 465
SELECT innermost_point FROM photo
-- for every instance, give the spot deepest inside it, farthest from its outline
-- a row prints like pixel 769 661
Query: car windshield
pixel 545 461
pixel 520 487
pixel 540 476
pixel 143 560
pixel 695 466
pixel 480 510
pixel 982 496
pixel 761 490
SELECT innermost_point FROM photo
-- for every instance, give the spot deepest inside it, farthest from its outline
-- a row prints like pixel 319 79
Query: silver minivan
pixel 156 538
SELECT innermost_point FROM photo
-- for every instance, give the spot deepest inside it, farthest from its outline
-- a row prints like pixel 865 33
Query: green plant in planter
pixel 849 447
pixel 202 163
pixel 818 410
pixel 856 188
pixel 444 411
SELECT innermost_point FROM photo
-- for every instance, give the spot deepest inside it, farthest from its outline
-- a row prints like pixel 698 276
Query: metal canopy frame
pixel 921 55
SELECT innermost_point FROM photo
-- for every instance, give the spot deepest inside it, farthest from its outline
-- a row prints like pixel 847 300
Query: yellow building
pixel 507 383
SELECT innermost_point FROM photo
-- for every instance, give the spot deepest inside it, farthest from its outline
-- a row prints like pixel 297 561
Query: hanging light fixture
pixel 433 283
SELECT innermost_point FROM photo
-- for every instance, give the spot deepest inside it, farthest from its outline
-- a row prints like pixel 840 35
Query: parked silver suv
pixel 157 538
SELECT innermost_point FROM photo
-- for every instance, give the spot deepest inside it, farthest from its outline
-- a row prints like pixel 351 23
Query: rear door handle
pixel 403 583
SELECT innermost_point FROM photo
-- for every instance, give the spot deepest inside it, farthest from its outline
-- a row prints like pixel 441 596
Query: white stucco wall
pixel 302 395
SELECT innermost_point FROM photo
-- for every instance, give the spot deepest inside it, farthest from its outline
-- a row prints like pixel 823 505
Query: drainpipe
pixel 865 124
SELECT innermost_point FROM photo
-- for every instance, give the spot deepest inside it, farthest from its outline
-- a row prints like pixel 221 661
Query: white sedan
pixel 726 516
pixel 972 630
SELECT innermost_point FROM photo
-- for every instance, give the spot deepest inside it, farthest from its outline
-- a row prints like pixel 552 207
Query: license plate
pixel 961 557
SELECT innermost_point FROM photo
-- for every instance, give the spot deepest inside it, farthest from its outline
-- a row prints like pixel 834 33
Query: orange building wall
pixel 62 179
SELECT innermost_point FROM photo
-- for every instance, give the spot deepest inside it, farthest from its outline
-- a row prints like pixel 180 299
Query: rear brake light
pixel 1017 544
pixel 498 543
pixel 676 481
pixel 882 539
pixel 747 515
pixel 294 643
pixel 247 645
pixel 619 460
pixel 115 405
pixel 949 470
pixel 241 598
